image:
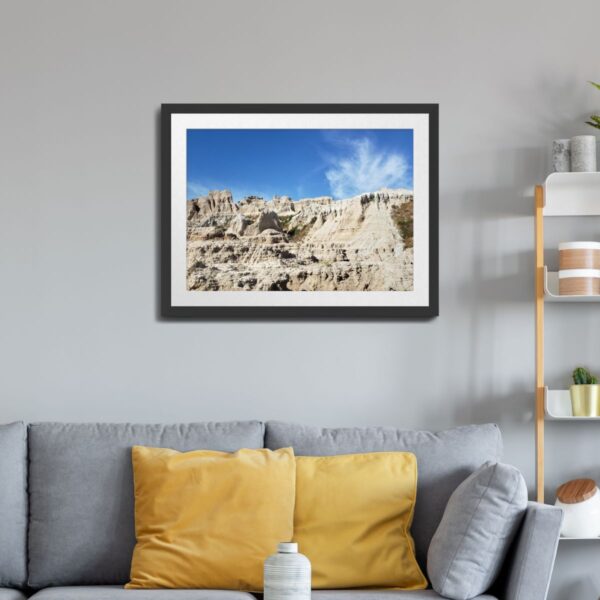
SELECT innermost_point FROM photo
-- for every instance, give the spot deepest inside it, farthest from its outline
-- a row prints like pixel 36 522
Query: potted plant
pixel 585 394
pixel 594 119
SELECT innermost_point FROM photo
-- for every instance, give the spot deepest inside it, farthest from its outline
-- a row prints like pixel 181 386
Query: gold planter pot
pixel 585 400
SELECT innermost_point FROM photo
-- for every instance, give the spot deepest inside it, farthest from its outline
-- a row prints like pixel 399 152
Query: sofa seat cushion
pixel 81 505
pixel 109 592
pixel 444 460
pixel 381 595
pixel 10 594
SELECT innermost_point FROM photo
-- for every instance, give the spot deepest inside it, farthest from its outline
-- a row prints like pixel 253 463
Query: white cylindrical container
pixel 287 574
pixel 581 515
pixel 579 255
pixel 561 156
pixel 579 282
pixel 583 153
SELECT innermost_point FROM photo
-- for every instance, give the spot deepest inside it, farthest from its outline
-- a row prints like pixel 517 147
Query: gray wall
pixel 80 338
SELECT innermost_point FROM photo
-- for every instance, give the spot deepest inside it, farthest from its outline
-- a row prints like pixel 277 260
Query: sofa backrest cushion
pixel 444 460
pixel 13 505
pixel 81 527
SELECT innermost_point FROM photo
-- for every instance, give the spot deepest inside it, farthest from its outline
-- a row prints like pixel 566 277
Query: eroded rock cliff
pixel 314 244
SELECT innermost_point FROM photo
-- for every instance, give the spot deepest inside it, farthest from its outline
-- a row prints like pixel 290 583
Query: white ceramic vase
pixel 287 574
pixel 583 153
pixel 581 519
pixel 561 156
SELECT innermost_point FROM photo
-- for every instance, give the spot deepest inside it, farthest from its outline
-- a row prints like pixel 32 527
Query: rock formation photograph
pixel 299 210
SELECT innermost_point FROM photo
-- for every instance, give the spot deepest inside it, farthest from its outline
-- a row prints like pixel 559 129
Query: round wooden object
pixel 576 490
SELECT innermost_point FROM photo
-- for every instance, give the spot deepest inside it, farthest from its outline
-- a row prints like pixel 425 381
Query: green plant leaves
pixel 594 119
pixel 582 376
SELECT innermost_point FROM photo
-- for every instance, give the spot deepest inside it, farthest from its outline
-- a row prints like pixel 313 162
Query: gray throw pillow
pixel 474 535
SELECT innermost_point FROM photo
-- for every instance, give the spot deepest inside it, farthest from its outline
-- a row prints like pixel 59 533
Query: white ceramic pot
pixel 287 574
pixel 561 156
pixel 581 519
pixel 583 153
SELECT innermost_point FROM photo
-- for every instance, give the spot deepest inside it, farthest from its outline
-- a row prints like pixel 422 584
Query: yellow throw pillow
pixel 208 519
pixel 352 520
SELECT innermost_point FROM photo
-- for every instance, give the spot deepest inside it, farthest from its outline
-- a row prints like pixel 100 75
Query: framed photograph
pixel 288 210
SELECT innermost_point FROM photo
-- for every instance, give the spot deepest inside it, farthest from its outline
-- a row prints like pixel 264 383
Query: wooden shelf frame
pixel 562 195
pixel 540 388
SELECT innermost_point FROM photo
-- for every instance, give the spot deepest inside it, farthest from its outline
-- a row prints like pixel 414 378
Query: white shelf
pixel 558 407
pixel 572 194
pixel 577 539
pixel 551 290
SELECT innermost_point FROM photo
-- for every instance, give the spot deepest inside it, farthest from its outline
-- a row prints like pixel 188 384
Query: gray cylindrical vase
pixel 287 574
pixel 583 153
pixel 561 156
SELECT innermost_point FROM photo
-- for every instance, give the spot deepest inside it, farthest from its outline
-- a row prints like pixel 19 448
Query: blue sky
pixel 300 163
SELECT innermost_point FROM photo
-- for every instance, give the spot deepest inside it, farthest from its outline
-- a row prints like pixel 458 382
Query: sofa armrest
pixel 531 560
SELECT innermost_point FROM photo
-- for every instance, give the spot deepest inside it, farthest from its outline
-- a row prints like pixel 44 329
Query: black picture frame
pixel 168 310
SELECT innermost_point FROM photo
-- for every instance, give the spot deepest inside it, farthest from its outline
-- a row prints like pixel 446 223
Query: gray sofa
pixel 68 513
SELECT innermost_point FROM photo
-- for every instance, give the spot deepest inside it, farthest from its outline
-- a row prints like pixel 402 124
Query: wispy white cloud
pixel 195 189
pixel 363 168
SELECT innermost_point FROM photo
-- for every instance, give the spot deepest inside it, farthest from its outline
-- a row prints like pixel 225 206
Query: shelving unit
pixel 572 195
pixel 557 405
pixel 551 290
pixel 562 195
